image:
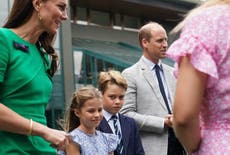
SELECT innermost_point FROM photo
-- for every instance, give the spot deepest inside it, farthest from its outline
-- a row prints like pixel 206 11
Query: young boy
pixel 113 86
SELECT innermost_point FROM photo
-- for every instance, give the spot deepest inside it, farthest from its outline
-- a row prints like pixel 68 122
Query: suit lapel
pixel 148 75
pixel 125 129
pixel 104 126
pixel 170 81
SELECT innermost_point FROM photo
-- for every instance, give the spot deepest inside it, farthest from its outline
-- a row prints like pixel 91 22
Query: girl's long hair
pixel 78 100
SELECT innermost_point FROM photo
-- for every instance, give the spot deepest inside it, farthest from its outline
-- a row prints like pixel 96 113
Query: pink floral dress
pixel 206 38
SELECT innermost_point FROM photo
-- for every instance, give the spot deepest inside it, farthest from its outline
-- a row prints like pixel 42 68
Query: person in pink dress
pixel 202 98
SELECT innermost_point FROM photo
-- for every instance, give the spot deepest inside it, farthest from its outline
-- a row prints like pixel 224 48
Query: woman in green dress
pixel 25 77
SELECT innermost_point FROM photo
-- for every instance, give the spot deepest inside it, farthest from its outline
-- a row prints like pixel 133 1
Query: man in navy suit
pixel 113 86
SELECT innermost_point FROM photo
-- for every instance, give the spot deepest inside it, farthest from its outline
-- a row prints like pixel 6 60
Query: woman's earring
pixel 39 16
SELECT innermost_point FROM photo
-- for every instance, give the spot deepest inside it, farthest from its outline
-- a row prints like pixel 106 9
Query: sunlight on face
pixel 91 114
pixel 52 13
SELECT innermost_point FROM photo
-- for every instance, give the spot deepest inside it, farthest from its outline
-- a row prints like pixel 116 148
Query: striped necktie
pixel 119 148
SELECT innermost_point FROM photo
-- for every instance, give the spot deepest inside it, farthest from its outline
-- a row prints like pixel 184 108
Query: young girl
pixel 82 118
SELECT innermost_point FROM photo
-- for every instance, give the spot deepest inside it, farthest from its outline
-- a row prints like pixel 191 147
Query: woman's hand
pixel 58 139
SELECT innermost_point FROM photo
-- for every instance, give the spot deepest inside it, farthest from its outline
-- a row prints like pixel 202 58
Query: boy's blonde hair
pixel 111 77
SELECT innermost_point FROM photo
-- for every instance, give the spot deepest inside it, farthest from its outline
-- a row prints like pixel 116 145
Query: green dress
pixel 25 87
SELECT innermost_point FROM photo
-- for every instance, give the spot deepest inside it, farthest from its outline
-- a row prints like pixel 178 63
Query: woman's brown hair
pixel 20 13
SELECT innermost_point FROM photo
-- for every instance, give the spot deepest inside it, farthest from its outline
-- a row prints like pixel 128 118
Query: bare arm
pixel 72 149
pixel 188 98
pixel 12 122
pixel 111 153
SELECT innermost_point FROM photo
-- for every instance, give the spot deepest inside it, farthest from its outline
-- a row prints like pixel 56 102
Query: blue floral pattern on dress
pixel 98 144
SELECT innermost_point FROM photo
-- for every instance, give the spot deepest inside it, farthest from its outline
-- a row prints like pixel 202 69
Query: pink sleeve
pixel 200 55
pixel 198 39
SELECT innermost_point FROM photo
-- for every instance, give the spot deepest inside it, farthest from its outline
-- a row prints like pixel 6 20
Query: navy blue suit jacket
pixel 130 135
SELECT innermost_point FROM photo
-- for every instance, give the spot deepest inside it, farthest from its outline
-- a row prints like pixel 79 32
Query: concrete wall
pixel 105 34
pixel 109 34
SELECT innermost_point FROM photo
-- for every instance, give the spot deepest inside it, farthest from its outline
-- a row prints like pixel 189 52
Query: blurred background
pixel 101 35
